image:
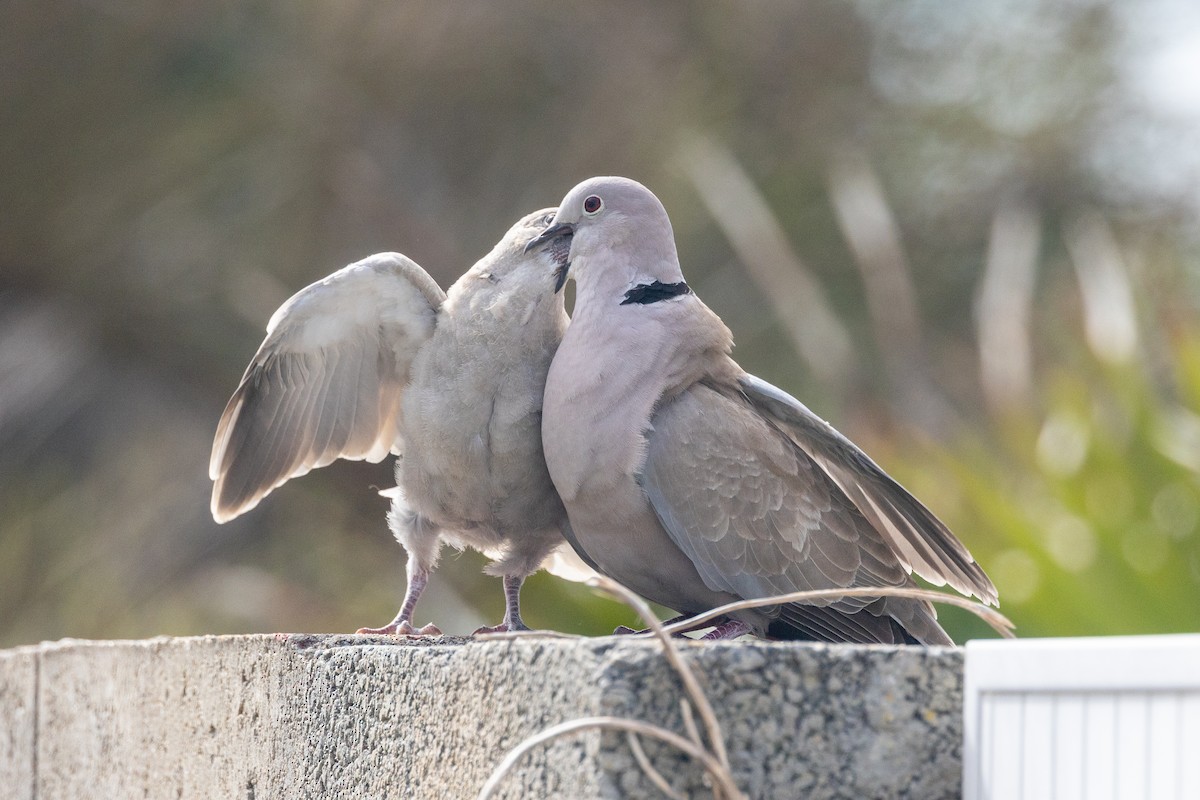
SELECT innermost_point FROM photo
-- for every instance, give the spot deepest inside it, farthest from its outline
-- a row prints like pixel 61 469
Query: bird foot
pixel 403 628
pixel 727 630
pixel 503 627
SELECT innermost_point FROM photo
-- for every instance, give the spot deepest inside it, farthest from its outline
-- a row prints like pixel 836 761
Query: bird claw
pixel 403 628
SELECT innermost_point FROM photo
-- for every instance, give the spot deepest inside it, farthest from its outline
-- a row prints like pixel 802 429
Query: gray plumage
pixel 375 359
pixel 696 484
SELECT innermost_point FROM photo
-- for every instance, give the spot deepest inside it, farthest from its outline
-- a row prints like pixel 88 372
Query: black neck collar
pixel 645 293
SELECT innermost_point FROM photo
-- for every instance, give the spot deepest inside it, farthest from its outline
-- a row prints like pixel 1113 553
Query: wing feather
pixel 758 516
pixel 919 539
pixel 327 381
pixel 752 511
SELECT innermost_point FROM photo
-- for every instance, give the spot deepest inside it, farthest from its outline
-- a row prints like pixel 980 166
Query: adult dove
pixel 696 484
pixel 374 359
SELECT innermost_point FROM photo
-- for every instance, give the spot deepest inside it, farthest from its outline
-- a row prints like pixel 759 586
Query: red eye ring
pixel 592 204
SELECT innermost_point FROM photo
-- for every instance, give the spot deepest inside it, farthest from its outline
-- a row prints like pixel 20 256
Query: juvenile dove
pixel 696 484
pixel 375 359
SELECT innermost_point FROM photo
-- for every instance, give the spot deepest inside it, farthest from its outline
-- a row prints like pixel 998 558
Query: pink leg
pixel 402 624
pixel 728 630
pixel 512 608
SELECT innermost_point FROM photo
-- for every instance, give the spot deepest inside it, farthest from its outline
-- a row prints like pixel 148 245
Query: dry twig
pixel 639 755
pixel 720 775
pixel 715 763
pixel 998 622
pixel 690 684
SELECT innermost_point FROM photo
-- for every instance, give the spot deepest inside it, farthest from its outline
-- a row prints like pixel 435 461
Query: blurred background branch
pixel 1004 308
pixel 761 246
pixel 964 233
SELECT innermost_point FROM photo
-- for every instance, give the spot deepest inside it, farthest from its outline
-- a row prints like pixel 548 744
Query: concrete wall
pixel 258 717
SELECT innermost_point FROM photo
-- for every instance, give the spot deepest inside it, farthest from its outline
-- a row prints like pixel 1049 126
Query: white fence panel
pixel 1114 718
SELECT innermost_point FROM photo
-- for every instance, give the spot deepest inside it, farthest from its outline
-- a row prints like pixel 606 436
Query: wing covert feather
pixel 755 513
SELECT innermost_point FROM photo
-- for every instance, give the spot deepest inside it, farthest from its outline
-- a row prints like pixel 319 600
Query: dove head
pixel 511 262
pixel 620 237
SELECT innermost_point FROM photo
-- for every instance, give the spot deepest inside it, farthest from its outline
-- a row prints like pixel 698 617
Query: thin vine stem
pixel 720 775
pixel 992 617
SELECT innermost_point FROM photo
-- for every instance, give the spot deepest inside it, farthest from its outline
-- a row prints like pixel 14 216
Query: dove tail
pixel 798 622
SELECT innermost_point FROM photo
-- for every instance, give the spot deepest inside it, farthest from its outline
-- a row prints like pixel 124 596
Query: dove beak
pixel 560 235
pixel 560 276
pixel 558 231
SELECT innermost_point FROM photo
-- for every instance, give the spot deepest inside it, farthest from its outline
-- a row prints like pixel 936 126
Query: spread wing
pixel 326 383
pixel 919 539
pixel 759 517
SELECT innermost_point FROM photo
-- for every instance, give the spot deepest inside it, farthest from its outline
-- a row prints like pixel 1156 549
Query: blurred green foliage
pixel 993 205
pixel 1088 522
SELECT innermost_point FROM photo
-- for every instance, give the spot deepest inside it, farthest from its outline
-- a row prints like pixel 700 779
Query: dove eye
pixel 592 204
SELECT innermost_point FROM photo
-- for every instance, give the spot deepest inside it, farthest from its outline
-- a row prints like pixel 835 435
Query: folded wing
pixel 758 517
pixel 327 381
pixel 920 540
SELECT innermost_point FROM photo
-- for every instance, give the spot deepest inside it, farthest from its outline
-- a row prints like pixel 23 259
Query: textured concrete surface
pixel 366 717
pixel 18 721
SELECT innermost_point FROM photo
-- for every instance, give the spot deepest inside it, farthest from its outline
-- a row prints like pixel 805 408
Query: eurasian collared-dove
pixel 696 484
pixel 375 359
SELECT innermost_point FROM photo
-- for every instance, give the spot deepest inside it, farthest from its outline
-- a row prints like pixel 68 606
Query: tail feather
pixel 799 622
